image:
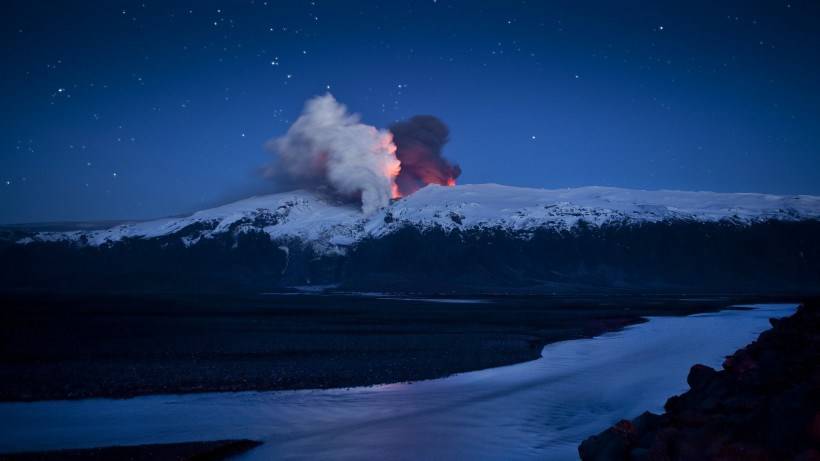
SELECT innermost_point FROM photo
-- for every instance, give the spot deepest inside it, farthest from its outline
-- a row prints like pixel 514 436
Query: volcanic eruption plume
pixel 327 149
pixel 419 142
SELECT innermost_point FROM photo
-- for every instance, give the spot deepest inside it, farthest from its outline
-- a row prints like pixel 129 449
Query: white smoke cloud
pixel 329 149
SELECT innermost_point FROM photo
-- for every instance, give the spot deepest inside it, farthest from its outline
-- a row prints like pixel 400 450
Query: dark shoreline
pixel 185 451
pixel 118 346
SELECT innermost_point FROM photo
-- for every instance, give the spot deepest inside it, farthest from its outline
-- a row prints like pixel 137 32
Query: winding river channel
pixel 536 410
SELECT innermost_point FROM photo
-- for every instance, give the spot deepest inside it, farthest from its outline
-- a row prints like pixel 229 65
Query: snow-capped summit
pixel 330 226
pixel 477 238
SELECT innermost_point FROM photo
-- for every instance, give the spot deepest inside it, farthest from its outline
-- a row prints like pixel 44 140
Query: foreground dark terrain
pixel 763 405
pixel 73 346
pixel 189 451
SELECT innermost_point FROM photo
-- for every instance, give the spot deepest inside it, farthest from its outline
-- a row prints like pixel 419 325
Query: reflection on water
pixel 540 409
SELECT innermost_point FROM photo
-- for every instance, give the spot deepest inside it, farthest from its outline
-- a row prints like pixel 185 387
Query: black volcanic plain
pixel 72 346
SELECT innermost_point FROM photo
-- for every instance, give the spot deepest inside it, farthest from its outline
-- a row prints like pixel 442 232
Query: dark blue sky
pixel 141 109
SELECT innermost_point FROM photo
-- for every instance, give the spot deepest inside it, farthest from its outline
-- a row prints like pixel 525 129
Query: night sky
pixel 116 110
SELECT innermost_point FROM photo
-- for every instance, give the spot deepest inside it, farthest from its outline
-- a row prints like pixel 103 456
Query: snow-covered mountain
pixel 332 227
pixel 471 238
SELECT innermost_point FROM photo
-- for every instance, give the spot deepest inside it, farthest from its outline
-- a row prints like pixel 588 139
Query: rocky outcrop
pixel 763 405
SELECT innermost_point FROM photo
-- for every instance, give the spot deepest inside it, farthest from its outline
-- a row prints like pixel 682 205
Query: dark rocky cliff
pixel 763 405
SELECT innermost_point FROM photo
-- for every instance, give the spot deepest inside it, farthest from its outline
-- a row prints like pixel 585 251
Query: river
pixel 536 410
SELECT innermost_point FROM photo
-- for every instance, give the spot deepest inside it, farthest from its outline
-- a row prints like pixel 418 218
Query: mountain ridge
pixel 468 239
pixel 331 226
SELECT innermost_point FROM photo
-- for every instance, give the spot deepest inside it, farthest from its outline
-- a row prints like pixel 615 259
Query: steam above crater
pixel 329 150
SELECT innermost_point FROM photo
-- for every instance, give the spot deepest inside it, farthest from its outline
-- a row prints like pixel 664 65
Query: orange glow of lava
pixel 392 168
